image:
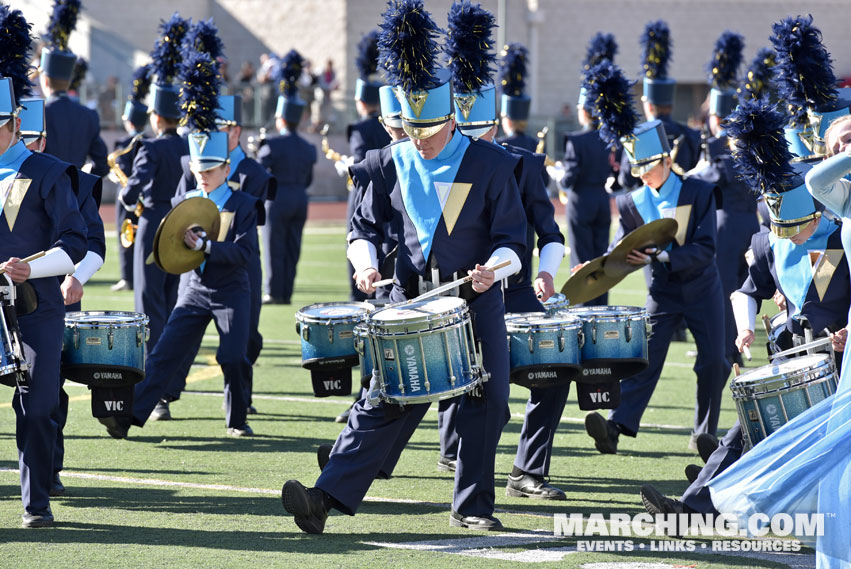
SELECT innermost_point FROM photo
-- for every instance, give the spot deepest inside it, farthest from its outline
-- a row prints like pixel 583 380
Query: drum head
pixel 334 311
pixel 105 318
pixel 784 369
pixel 539 320
pixel 778 320
pixel 556 302
pixel 589 312
pixel 417 310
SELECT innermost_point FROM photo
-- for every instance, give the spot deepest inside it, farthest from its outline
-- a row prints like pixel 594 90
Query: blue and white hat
pixel 290 105
pixel 391 109
pixel 57 61
pixel 167 57
pixel 656 46
pixel 135 109
pixel 31 114
pixel 602 47
pixel 208 147
pixel 368 83
pixel 515 104
pixel 229 111
pixel 722 70
pixel 647 146
pixel 15 83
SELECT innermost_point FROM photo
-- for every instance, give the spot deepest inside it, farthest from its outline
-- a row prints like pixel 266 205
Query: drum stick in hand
pixel 456 283
pixel 383 282
pixel 747 352
pixel 29 259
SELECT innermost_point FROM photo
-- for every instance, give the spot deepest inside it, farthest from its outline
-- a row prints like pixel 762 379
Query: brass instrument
pixel 112 160
pixel 542 136
pixel 333 155
pixel 127 235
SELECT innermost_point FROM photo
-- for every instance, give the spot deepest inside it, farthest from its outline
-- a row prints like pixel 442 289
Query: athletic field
pixel 183 494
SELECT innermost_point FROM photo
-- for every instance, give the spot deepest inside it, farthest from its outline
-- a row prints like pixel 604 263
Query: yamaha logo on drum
pixel 108 375
pixel 597 371
pixel 413 368
pixel 543 375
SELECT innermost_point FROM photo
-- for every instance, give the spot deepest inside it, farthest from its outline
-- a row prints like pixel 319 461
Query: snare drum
pixel 544 350
pixel 556 303
pixel 615 345
pixel 327 333
pixel 778 327
pixel 12 362
pixel 424 351
pixel 104 349
pixel 770 396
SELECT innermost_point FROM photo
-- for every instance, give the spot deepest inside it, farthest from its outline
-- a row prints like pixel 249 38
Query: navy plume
pixel 407 46
pixel 760 152
pixel 656 43
pixel 726 59
pixel 602 46
pixel 512 69
pixel 204 36
pixel 803 74
pixel 15 46
pixel 198 93
pixel 166 54
pixel 469 46
pixel 758 79
pixel 610 94
pixel 62 22
pixel 290 72
pixel 141 83
pixel 78 74
pixel 367 59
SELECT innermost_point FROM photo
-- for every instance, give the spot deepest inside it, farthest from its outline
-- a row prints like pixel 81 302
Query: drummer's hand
pixel 838 339
pixel 72 290
pixel 544 287
pixel 482 278
pixel 365 278
pixel 745 338
pixel 637 257
pixel 17 270
pixel 576 268
pixel 779 300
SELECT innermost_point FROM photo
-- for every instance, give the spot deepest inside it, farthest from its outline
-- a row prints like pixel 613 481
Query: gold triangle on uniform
pixel 681 216
pixel 14 200
pixel 454 204
pixel 823 272
pixel 465 102
pixel 233 185
pixel 226 218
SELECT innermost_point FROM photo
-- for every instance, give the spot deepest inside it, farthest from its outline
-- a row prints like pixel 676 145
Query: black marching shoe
pixel 692 472
pixel 531 486
pixel 323 455
pixel 56 486
pixel 603 431
pixel 706 445
pixel 29 520
pixel 117 427
pixel 241 431
pixel 482 523
pixel 446 464
pixel 307 505
pixel 657 503
pixel 161 412
pixel 251 410
pixel 343 417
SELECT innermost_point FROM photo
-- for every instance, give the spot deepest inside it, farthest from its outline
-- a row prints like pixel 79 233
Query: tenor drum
pixel 556 303
pixel 615 345
pixel 770 396
pixel 544 350
pixel 424 351
pixel 327 333
pixel 12 363
pixel 104 349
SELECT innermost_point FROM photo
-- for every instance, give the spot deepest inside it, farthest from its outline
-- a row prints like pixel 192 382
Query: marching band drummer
pixel 801 256
pixel 39 213
pixel 684 283
pixel 481 220
pixel 87 189
pixel 219 288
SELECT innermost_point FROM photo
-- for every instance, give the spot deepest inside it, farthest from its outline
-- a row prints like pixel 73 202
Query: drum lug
pixel 531 343
pixel 358 345
pixel 594 333
pixel 628 332
pixel 330 333
pixel 581 337
pixel 110 337
pixel 139 335
pixel 147 334
pixel 305 332
pixel 298 328
pixel 561 340
pixel 76 338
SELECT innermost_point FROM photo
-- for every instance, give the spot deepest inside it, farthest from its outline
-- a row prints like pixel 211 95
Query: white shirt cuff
pixel 504 254
pixel 362 254
pixel 54 263
pixel 744 311
pixel 90 264
pixel 550 258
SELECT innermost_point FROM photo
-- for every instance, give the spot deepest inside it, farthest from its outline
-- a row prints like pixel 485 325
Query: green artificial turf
pixel 120 509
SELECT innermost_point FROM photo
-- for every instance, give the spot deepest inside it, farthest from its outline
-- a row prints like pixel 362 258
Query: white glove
pixel 556 172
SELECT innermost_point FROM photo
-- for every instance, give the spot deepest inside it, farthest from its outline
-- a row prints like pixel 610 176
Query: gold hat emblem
pixel 629 145
pixel 416 99
pixel 465 102
pixel 774 202
pixel 200 139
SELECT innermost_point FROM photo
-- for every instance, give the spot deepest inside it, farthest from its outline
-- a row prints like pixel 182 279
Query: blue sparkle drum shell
pixel 615 345
pixel 104 348
pixel 365 357
pixel 544 350
pixel 424 351
pixel 770 396
pixel 11 363
pixel 556 303
pixel 327 333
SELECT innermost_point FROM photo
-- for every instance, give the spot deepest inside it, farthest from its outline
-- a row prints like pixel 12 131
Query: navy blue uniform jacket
pixel 586 162
pixel 520 140
pixel 73 132
pixel 88 191
pixel 125 161
pixel 156 173
pixel 290 159
pixel 734 194
pixel 366 134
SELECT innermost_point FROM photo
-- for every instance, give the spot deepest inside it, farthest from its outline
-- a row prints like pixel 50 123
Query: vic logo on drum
pixel 413 369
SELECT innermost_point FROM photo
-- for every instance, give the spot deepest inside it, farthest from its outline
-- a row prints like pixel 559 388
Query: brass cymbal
pixel 658 233
pixel 170 253
pixel 589 282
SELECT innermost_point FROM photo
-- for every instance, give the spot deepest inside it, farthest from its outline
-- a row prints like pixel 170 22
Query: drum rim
pixel 302 316
pixel 400 330
pixel 513 327
pixel 137 319
pixel 601 314
pixel 462 311
pixel 822 361
pixel 781 383
pixel 9 369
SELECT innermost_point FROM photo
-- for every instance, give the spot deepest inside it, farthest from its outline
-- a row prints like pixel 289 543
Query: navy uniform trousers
pixel 125 254
pixel 367 441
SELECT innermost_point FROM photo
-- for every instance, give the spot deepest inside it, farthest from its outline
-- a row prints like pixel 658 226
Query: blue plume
pixel 610 94
pixel 78 74
pixel 15 46
pixel 141 83
pixel 367 58
pixel 289 73
pixel 198 93
pixel 803 74
pixel 760 153
pixel 602 46
pixel 469 46
pixel 757 82
pixel 62 22
pixel 407 46
pixel 512 69
pixel 726 59
pixel 166 54
pixel 656 43
pixel 204 36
